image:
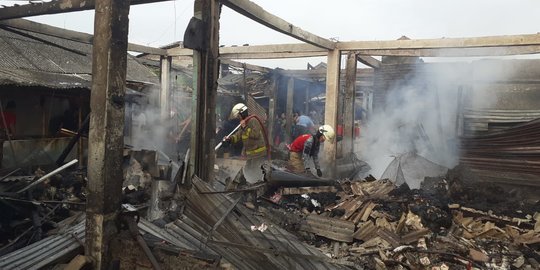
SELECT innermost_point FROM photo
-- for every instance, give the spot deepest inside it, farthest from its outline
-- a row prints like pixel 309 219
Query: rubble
pixel 288 221
pixel 384 226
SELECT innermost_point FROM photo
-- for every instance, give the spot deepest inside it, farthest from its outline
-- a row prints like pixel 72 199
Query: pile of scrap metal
pixel 447 223
pixel 33 204
pixel 180 226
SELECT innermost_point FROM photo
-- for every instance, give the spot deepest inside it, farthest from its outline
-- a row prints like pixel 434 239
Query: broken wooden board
pixel 375 188
pixel 331 228
pixel 366 231
pixel 308 190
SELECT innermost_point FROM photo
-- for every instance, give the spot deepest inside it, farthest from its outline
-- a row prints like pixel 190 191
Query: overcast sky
pixel 163 23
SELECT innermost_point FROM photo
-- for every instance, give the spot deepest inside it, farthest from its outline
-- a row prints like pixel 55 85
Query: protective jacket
pixel 252 138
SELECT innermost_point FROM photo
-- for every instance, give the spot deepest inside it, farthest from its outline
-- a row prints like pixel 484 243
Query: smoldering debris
pixel 29 216
pixel 378 225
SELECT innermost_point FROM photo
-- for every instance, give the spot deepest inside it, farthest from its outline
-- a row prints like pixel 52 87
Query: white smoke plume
pixel 420 116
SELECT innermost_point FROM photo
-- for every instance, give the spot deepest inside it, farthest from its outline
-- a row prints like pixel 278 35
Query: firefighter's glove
pixel 226 141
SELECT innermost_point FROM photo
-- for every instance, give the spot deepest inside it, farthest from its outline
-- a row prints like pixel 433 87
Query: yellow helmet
pixel 328 132
pixel 237 110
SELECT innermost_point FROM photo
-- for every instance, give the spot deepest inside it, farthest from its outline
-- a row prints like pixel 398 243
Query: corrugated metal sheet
pixel 481 121
pixel 514 150
pixel 21 77
pixel 331 228
pixel 53 62
pixel 233 239
pixel 208 225
pixel 46 251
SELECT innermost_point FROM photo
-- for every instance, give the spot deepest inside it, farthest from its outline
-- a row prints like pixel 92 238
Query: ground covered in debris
pixel 451 222
pixel 295 222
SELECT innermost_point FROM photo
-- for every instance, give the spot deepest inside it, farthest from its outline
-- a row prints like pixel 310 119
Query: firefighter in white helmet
pixel 250 133
pixel 252 137
pixel 306 148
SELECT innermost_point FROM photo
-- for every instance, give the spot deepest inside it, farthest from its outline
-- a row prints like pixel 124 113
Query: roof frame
pixel 258 14
pixel 55 7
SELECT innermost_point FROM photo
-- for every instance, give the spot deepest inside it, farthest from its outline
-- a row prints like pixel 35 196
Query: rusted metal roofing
pixel 478 121
pixel 211 224
pixel 214 224
pixel 41 60
pixel 514 150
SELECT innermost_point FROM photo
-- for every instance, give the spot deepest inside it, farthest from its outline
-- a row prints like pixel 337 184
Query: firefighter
pixel 250 133
pixel 306 147
pixel 252 137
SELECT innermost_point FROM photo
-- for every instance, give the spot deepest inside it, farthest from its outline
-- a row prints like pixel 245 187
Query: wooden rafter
pixel 368 61
pixel 55 7
pixel 474 42
pixel 246 66
pixel 71 35
pixel 260 51
pixel 258 14
pixel 446 47
pixel 455 52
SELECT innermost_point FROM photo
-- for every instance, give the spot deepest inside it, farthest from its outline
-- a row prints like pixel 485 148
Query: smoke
pixel 149 131
pixel 420 115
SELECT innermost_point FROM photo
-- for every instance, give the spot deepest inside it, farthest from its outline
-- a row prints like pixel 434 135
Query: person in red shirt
pixel 306 147
pixel 8 120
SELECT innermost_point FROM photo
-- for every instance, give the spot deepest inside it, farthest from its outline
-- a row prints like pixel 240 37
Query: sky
pixel 162 23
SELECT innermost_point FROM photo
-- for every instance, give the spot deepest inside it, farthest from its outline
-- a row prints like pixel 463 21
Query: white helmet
pixel 238 109
pixel 327 131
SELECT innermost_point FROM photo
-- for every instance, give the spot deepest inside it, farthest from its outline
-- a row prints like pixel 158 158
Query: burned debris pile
pixel 35 205
pixel 288 221
pixel 448 223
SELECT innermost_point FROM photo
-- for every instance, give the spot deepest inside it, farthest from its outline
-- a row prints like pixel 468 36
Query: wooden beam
pixel 246 66
pixel 331 107
pixel 368 61
pixel 474 42
pixel 272 55
pixel 260 51
pixel 322 73
pixel 455 52
pixel 165 83
pixel 106 138
pixel 70 35
pixel 272 108
pixel 258 14
pixel 205 75
pixel 289 110
pixel 55 7
pixel 446 47
pixel 348 102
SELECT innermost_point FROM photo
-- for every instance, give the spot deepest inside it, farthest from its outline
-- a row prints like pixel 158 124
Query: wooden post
pixel 106 141
pixel 205 75
pixel 459 112
pixel 165 80
pixel 289 109
pixel 306 104
pixel 80 143
pixel 348 103
pixel 272 108
pixel 331 107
